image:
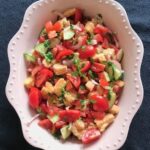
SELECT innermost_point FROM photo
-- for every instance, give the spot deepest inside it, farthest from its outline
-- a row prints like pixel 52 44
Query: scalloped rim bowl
pixel 115 18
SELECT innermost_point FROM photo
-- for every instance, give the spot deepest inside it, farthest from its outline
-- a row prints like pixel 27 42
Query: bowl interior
pixel 114 21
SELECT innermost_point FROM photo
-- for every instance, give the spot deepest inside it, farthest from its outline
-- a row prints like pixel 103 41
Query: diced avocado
pixel 106 76
pixel 66 131
pixel 117 73
pixel 43 47
pixel 29 57
pixel 120 55
pixel 112 98
pixel 68 33
pixel 29 82
pixel 53 119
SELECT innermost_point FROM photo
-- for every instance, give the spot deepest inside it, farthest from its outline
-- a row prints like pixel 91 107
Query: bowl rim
pixel 140 53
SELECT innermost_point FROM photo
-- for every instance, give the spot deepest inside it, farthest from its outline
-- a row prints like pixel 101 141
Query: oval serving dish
pixel 116 19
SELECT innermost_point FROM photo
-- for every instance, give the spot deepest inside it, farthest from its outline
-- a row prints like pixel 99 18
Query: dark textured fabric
pixel 11 14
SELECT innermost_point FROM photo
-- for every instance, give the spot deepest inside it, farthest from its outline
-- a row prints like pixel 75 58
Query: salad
pixel 75 76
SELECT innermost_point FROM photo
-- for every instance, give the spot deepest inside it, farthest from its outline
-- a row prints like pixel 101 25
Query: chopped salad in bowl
pixel 75 76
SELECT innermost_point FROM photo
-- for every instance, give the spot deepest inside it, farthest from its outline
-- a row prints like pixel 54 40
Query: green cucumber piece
pixel 29 57
pixel 112 98
pixel 43 32
pixel 111 72
pixel 117 73
pixel 65 131
pixel 42 48
pixel 53 119
pixel 68 33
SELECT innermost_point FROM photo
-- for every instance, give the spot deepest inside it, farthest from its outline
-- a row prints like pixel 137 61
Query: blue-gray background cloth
pixel 11 15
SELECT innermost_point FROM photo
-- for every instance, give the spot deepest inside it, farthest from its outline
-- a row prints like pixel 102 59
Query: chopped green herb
pixel 89 41
pixel 71 27
pixel 47 44
pixel 92 60
pixel 83 47
pixel 43 32
pixel 92 101
pixel 92 74
pixel 57 134
pixel 82 87
pixel 75 73
pixel 49 57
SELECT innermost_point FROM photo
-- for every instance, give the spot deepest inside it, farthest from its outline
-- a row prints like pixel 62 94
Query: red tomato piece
pixel 57 26
pixel 78 16
pixel 52 34
pixel 98 115
pixel 86 66
pixel 90 135
pixel 67 44
pixel 97 67
pixel 69 115
pixel 49 26
pixel 103 82
pixel 100 29
pixel 69 86
pixel 88 52
pixel 42 76
pixel 35 70
pixel 59 124
pixel 41 39
pixel 101 104
pixel 64 53
pixel 98 38
pixel 46 123
pixel 105 43
pixel 82 91
pixel 34 97
pixel 76 81
pixel 44 108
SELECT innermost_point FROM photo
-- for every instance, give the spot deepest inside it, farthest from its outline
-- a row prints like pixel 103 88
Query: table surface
pixel 11 15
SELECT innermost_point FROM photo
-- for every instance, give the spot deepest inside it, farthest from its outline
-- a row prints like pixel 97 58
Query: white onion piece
pixel 58 13
pixel 32 119
pixel 94 42
pixel 67 62
pixel 94 82
pixel 77 28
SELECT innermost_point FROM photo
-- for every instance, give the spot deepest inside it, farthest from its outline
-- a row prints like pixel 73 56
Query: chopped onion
pixel 94 42
pixel 94 82
pixel 77 27
pixel 32 119
pixel 67 62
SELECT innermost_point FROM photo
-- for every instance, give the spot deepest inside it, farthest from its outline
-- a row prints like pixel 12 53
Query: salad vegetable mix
pixel 75 76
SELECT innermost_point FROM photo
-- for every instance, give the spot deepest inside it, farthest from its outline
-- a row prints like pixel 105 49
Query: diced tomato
pixel 46 123
pixel 59 124
pixel 44 108
pixel 86 66
pixel 103 82
pixel 90 135
pixel 35 70
pixel 52 34
pixel 76 81
pixel 64 53
pixel 34 97
pixel 101 104
pixel 41 39
pixel 42 77
pixel 49 26
pixel 53 110
pixel 69 86
pixel 88 52
pixel 100 29
pixel 69 115
pixel 97 67
pixel 82 91
pixel 37 54
pixel 67 44
pixel 98 38
pixel 98 115
pixel 57 27
pixel 105 43
pixel 78 16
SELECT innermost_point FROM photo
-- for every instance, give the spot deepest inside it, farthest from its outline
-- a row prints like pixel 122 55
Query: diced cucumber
pixel 53 119
pixel 43 47
pixel 68 33
pixel 29 57
pixel 65 131
pixel 112 98
pixel 117 73
pixel 111 72
pixel 120 55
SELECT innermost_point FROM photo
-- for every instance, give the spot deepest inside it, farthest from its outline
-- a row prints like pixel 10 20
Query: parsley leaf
pixel 71 27
pixel 49 57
